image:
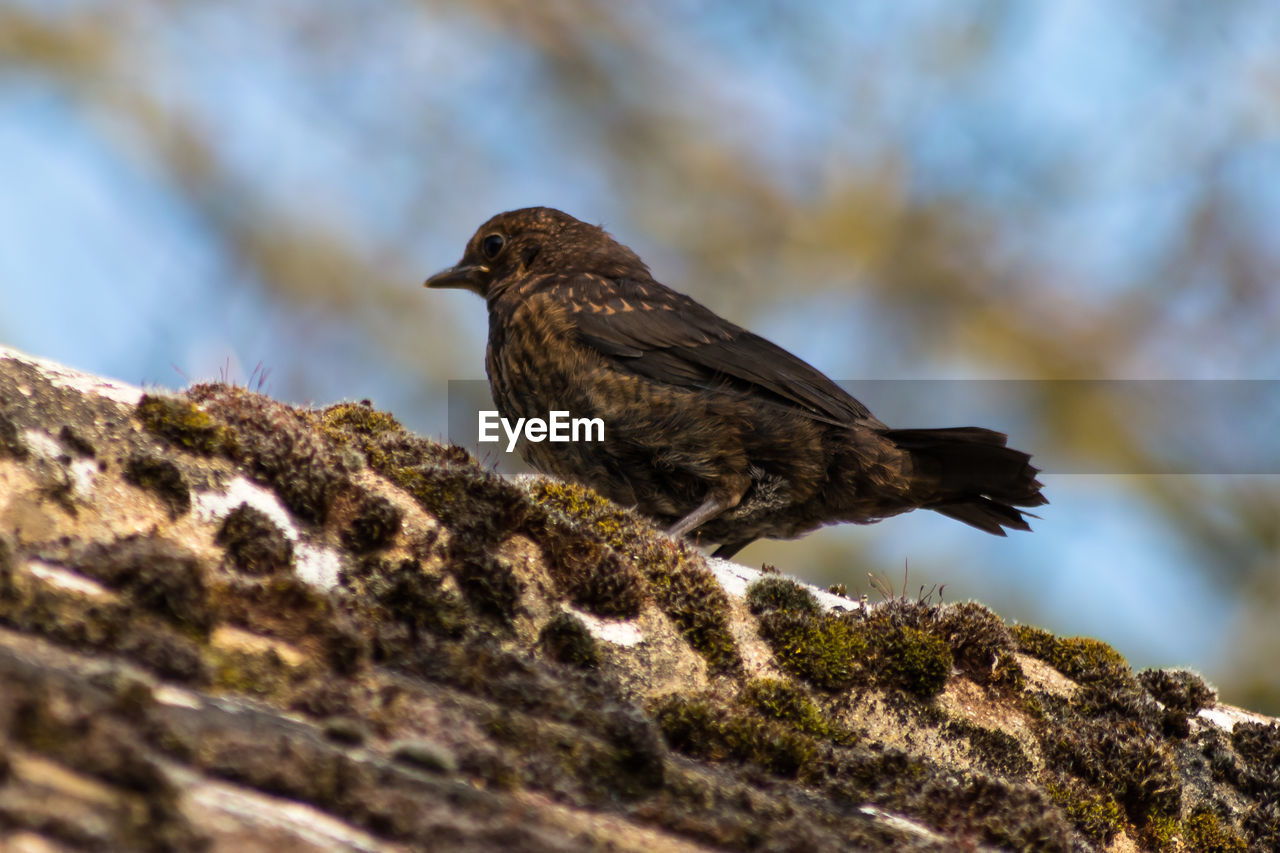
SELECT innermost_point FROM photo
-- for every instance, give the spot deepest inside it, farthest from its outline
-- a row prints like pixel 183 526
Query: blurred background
pixel 1074 190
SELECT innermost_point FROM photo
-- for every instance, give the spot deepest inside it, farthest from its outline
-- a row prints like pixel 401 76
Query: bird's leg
pixel 717 502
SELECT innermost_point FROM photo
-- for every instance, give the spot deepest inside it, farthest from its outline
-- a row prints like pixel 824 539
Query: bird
pixel 714 432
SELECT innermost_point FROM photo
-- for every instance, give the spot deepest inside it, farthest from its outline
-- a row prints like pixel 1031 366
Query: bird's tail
pixel 967 473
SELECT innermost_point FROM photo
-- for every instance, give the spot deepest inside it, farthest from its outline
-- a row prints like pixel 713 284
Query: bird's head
pixel 535 240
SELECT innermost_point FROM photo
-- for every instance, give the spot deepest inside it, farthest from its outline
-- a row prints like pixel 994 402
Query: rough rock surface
pixel 231 624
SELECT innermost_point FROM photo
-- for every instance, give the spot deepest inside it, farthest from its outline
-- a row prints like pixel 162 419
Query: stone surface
pixel 231 624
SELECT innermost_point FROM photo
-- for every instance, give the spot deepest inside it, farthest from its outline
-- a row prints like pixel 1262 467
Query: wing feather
pixel 665 336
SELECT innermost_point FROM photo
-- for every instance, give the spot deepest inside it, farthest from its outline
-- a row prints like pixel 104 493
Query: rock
pixel 227 621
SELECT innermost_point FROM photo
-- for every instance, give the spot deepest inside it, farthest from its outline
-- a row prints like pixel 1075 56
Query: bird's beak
pixel 466 276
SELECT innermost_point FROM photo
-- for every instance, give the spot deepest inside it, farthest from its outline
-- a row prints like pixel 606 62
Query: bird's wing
pixel 650 330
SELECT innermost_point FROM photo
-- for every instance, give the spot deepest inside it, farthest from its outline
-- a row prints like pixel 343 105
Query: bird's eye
pixel 492 245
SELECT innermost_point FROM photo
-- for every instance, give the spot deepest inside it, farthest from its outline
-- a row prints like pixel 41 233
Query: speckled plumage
pixel 709 428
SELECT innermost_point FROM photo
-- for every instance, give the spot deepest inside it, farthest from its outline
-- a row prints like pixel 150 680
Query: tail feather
pixel 969 474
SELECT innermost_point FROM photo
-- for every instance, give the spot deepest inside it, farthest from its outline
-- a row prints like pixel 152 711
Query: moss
pixel 1121 759
pixel 255 544
pixel 1097 816
pixel 998 751
pixel 344 421
pixel 1160 833
pixel 788 702
pixel 376 523
pixel 1178 690
pixel 698 726
pixel 981 644
pixel 1081 659
pixel 478 506
pixel 29 604
pixel 593 576
pixel 566 640
pixel 489 585
pixel 910 658
pixel 824 649
pixel 162 478
pixel 1258 746
pixel 184 424
pixel 681 585
pixel 833 651
pixel 158 575
pixel 403 594
pixel 279 446
pixel 778 593
pixel 691 597
pixel 1207 833
pixel 1262 824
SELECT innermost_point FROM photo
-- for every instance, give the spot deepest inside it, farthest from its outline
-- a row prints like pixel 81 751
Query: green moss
pixel 694 601
pixel 680 584
pixel 184 424
pixel 478 506
pixel 1082 659
pixel 346 421
pixel 833 650
pixel 1120 758
pixel 698 726
pixel 777 593
pixel 255 544
pixel 910 658
pixel 1097 816
pixel 827 651
pixel 565 639
pixel 788 702
pixel 1205 832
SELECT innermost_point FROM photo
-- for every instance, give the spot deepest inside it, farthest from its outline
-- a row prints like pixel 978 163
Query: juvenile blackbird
pixel 713 431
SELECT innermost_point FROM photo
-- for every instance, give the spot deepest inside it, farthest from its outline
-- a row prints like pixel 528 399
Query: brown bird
pixel 708 428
